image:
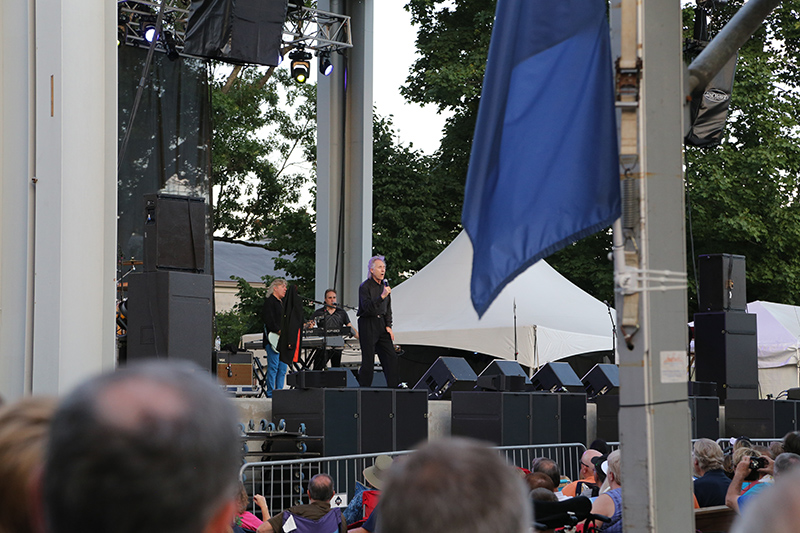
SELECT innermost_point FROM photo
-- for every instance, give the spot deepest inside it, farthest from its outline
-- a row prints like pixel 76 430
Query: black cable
pixel 342 188
pixel 665 402
pixel 691 243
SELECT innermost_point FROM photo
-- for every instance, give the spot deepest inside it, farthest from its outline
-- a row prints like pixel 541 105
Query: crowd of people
pixel 153 447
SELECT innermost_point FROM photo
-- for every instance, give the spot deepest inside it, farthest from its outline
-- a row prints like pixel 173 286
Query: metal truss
pixel 304 27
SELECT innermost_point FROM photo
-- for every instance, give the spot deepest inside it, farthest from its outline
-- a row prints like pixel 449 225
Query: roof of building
pixel 245 260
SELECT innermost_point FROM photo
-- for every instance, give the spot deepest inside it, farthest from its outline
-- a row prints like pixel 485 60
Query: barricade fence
pixel 285 483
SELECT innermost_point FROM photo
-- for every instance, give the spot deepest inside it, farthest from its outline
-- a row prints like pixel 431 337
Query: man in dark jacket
pixel 711 484
pixel 375 325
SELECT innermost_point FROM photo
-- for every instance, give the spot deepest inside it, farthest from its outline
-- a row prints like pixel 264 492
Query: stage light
pixel 149 31
pixel 300 65
pixel 325 65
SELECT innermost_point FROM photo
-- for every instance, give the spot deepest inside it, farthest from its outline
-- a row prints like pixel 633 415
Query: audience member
pixel 151 447
pixel 610 503
pixel 785 463
pixel 587 477
pixel 320 492
pixel 374 476
pixel 548 467
pixel 746 481
pixel 541 494
pixel 23 433
pixel 536 480
pixel 711 484
pixel 244 518
pixel 600 445
pixel 791 442
pixel 600 464
pixel 775 449
pixel 777 511
pixel 452 486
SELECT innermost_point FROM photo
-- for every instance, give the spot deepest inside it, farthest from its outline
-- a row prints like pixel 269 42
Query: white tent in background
pixel 778 346
pixel 555 319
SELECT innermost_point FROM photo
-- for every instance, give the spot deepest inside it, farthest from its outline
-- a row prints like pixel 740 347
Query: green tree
pixel 742 195
pixel 410 222
pixel 263 127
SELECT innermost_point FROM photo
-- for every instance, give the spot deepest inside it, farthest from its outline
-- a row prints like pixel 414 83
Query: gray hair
pixel 708 454
pixel 455 485
pixel 373 259
pixel 152 447
pixel 785 463
pixel 614 466
pixel 275 283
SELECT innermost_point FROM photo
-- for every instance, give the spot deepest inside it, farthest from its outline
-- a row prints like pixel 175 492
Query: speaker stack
pixel 761 419
pixel 726 343
pixel 353 421
pixel 170 309
pixel 601 384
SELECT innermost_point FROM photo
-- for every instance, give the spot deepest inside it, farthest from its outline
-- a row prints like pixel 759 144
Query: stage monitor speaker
pixel 236 31
pixel 557 377
pixel 170 316
pixel 760 419
pixel 328 413
pixel 601 379
pixel 174 233
pixel 501 375
pixel 235 368
pixel 722 283
pixel 607 417
pixel 445 375
pixel 726 353
pixel 335 378
pixel 705 417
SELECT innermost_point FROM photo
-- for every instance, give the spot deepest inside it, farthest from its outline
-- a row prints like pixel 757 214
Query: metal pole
pixel 727 42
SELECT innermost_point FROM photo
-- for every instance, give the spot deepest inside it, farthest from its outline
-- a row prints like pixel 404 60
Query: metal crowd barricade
pixel 284 483
pixel 726 445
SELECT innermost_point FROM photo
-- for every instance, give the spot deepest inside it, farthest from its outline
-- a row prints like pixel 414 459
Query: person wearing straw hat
pixel 375 477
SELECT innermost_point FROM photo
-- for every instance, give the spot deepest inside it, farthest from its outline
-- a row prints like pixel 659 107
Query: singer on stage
pixel 375 325
pixel 331 317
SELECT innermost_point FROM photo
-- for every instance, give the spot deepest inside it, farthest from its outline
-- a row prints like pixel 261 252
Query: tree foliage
pixel 410 212
pixel 742 195
pixel 261 132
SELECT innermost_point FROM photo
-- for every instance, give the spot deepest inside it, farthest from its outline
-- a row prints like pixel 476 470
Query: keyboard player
pixel 331 317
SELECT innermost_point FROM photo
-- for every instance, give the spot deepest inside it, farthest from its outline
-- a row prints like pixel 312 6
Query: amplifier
pixel 235 368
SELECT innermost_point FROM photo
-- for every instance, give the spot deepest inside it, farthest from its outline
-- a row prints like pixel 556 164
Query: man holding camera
pixel 749 469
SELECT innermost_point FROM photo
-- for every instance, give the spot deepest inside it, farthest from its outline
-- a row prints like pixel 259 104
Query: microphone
pixel 385 282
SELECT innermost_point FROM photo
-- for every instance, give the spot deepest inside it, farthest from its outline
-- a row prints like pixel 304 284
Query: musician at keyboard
pixel 330 318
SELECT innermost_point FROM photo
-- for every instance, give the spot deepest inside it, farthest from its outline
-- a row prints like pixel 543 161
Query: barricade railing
pixel 284 483
pixel 725 444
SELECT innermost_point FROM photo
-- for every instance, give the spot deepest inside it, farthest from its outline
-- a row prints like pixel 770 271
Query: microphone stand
pixel 613 331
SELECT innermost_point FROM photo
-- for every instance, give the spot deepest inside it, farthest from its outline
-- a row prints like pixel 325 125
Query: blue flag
pixel 544 167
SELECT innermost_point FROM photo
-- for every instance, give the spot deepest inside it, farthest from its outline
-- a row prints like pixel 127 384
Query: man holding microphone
pixel 375 324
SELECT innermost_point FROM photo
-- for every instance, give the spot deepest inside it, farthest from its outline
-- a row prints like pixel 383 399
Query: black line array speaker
pixel 704 417
pixel 236 31
pixel 726 353
pixel 328 413
pixel 557 377
pixel 760 419
pixel 391 420
pixel 607 417
pixel 722 283
pixel 447 374
pixel 170 316
pixel 703 388
pixel 174 233
pixel 601 379
pixel 519 418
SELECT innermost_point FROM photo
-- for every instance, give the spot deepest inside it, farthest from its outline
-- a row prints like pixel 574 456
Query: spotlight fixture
pixel 300 65
pixel 148 28
pixel 325 65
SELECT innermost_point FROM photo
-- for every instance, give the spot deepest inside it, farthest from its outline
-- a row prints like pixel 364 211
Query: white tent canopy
pixel 778 346
pixel 555 318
